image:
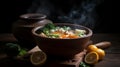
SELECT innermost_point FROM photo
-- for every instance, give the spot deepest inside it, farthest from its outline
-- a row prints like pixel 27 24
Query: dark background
pixel 11 9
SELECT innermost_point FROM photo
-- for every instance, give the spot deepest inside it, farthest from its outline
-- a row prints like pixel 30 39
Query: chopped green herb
pixel 53 35
pixel 22 52
pixel 66 28
pixel 82 64
pixel 50 26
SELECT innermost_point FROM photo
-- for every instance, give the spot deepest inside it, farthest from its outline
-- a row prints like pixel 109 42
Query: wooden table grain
pixel 112 58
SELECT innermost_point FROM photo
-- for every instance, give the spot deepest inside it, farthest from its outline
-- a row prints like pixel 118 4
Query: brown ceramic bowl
pixel 66 48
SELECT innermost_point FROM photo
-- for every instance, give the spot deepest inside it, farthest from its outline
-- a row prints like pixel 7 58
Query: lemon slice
pixel 91 58
pixel 38 58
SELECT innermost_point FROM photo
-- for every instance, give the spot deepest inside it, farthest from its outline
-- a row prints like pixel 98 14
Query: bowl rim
pixel 90 33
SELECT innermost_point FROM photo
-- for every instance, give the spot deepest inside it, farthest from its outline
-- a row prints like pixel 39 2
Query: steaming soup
pixel 64 32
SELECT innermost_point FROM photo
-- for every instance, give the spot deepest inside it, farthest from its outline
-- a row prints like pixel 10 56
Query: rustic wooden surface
pixel 112 58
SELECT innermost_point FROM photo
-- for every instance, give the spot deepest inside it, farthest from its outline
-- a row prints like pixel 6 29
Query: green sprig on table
pixel 13 49
pixel 82 64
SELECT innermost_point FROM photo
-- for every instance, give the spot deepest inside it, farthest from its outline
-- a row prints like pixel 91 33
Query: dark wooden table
pixel 112 58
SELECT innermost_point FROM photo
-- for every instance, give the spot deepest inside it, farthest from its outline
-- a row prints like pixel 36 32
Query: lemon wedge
pixel 38 58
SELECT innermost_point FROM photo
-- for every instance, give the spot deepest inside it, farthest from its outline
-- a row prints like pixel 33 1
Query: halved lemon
pixel 38 58
pixel 91 58
pixel 94 48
